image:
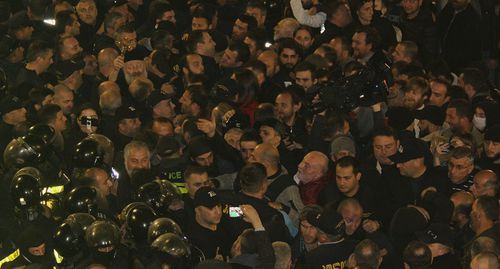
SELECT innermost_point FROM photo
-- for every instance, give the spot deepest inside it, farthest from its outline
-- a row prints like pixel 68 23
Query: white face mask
pixel 479 123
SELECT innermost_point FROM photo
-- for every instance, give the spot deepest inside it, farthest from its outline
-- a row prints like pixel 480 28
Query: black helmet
pixel 46 132
pixel 172 248
pixel 69 238
pixel 25 188
pixel 158 194
pixel 83 219
pixel 162 226
pixel 82 199
pixel 25 151
pixel 106 145
pixel 138 219
pixel 88 154
pixel 102 234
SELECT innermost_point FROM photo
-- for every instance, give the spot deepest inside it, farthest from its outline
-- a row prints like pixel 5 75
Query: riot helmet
pixel 162 226
pixel 107 147
pixel 171 249
pixel 82 199
pixel 88 154
pixel 44 131
pixel 137 221
pixel 25 151
pixel 25 188
pixel 69 239
pixel 102 234
pixel 159 194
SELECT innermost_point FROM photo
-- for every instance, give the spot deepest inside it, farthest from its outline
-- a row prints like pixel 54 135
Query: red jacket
pixel 309 192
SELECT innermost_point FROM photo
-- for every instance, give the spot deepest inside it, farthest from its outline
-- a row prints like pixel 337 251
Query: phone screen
pixel 235 212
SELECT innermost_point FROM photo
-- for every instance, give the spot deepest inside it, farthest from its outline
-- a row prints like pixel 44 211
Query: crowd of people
pixel 282 134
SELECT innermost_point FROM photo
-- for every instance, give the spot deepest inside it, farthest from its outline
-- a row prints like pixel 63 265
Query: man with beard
pixel 136 156
pixel 202 154
pixel 288 104
pixel 236 54
pixel 128 127
pixel 201 42
pixel 414 98
pixel 243 24
pixel 194 101
pixel 102 182
pixel 491 158
pixel 289 53
pixel 459 116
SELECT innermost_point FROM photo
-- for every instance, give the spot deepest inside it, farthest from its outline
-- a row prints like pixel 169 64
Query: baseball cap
pixel 198 145
pixel 64 69
pixel 409 149
pixel 492 133
pixel 399 117
pixel 10 103
pixel 126 112
pixel 157 96
pixel 434 114
pixel 225 89
pixel 207 197
pixel 328 221
pixel 436 233
pixel 167 145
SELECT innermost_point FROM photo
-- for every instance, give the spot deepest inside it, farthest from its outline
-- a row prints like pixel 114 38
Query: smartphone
pixel 235 212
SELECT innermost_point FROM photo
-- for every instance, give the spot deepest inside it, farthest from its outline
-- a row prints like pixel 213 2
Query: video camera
pixel 365 87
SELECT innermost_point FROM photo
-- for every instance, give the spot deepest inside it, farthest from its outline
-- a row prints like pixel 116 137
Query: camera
pixel 235 212
pixel 365 87
pixel 89 121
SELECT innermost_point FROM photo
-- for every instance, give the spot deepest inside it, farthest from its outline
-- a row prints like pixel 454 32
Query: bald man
pixel 311 176
pixel 63 97
pixel 270 59
pixel 106 62
pixel 107 85
pixel 485 183
pixel 281 189
pixel 486 260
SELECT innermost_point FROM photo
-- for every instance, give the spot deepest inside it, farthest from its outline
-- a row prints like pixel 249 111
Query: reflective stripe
pixel 53 189
pixel 181 187
pixel 11 257
pixel 58 257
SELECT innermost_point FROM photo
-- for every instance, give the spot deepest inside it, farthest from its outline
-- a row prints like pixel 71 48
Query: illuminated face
pixel 309 233
pixel 195 64
pixel 138 158
pixel 199 23
pixel 304 38
pixel 289 58
pixel 459 169
pixel 87 11
pixel 304 79
pixel 229 59
pixel 359 46
pixel 413 99
pixel 246 149
pixel 347 181
pixel 383 147
pixel 195 182
pixel 269 136
pixel 365 13
pixel 285 107
pixel 438 94
pixel 206 159
pixel 210 216
pixel 492 148
pixel 240 29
